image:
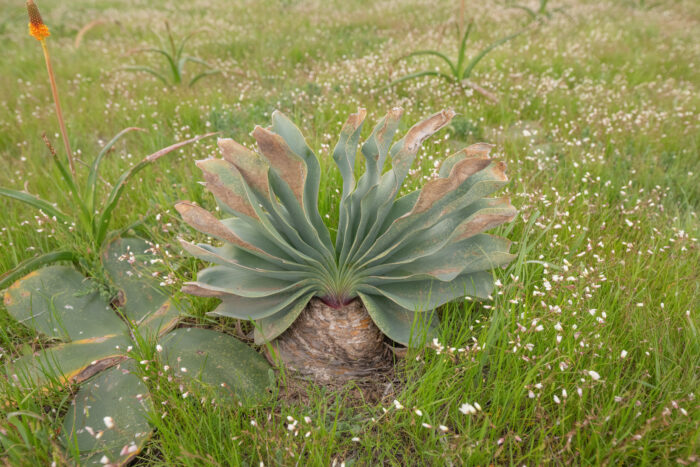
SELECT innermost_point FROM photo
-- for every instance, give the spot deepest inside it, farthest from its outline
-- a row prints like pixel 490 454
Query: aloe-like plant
pixel 175 58
pixel 107 422
pixel 458 72
pixel 324 305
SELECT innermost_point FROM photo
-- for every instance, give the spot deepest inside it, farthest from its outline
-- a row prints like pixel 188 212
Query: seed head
pixel 37 29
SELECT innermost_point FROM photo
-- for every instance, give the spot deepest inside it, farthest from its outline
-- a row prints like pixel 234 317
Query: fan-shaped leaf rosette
pixel 399 255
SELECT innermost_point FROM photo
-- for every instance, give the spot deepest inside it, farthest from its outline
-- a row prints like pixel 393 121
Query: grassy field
pixel 589 352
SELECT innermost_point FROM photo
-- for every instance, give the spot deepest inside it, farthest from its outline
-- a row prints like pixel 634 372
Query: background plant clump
pixel 589 351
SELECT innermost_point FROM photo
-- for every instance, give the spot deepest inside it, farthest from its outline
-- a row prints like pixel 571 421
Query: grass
pixel 589 353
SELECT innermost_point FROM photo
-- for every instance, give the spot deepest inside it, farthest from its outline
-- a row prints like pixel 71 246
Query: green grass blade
pixel 196 60
pixel 70 181
pixel 146 70
pixel 463 49
pixel 468 70
pixel 434 53
pixel 95 168
pixel 105 216
pixel 419 74
pixel 36 202
pixel 203 75
pixel 184 41
pixel 171 62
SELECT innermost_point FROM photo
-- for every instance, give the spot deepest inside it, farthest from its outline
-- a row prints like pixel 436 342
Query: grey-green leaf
pixel 72 362
pixel 400 324
pixel 271 327
pixel 239 282
pixel 108 421
pixel 60 303
pixel 425 295
pixel 142 299
pixel 234 306
pixel 219 360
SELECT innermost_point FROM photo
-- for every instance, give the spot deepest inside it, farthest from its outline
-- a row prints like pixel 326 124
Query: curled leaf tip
pixel 37 29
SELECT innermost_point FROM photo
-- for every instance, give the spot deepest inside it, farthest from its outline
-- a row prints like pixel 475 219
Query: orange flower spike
pixel 37 29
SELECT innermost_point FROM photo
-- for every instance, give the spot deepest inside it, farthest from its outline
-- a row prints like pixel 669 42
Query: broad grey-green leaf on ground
pixel 59 302
pixel 73 362
pixel 107 420
pixel 219 360
pixel 141 297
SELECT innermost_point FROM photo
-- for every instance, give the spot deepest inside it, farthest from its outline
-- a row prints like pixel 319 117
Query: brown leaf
pixel 194 289
pixel 403 159
pixel 439 187
pixel 227 184
pixel 251 165
pixel 486 219
pixel 205 222
pixel 290 166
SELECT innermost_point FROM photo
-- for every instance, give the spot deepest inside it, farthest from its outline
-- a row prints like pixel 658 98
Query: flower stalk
pixel 39 31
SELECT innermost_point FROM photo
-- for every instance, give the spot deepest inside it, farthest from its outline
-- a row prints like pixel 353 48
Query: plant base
pixel 333 344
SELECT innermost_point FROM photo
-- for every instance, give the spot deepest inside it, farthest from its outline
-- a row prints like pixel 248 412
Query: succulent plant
pixel 108 419
pixel 401 257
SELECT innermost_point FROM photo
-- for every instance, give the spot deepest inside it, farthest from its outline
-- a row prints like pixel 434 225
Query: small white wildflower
pixel 159 348
pixel 467 409
pixel 109 422
pixel 594 374
pixel 398 405
pixel 623 354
